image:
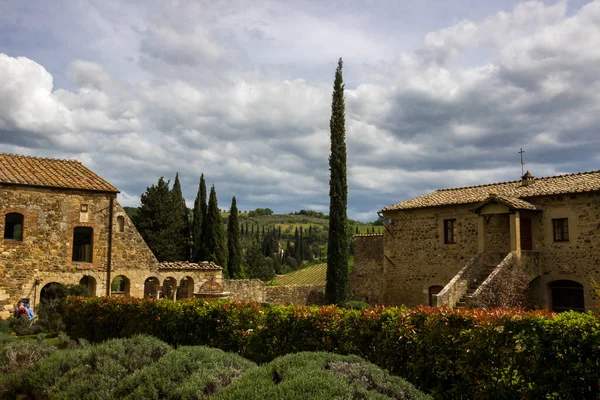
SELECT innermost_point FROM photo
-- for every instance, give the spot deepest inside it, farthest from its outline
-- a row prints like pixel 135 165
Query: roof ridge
pixel 39 158
pixel 517 181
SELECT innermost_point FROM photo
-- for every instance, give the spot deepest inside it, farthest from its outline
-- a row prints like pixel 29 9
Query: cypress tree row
pixel 180 222
pixel 214 235
pixel 337 248
pixel 234 261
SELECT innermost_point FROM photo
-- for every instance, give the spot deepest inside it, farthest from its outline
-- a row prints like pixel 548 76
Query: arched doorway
pixel 168 290
pixel 52 291
pixel 434 290
pixel 566 295
pixel 120 286
pixel 151 288
pixel 89 283
pixel 186 288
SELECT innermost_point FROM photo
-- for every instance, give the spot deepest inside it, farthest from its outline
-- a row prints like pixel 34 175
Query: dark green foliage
pixel 356 305
pixel 202 252
pixel 17 354
pixel 155 222
pixel 338 246
pixel 234 260
pixel 319 376
pixel 451 353
pixel 214 237
pixel 185 373
pixel 197 221
pixel 257 266
pixel 86 373
pixel 180 222
pixel 260 212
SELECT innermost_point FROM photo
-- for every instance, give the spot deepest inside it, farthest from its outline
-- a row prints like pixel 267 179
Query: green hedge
pixel 451 353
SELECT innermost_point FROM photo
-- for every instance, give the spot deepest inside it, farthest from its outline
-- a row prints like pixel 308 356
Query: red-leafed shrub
pixel 451 353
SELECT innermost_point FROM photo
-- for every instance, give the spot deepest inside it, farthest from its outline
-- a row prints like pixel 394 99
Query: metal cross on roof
pixel 522 162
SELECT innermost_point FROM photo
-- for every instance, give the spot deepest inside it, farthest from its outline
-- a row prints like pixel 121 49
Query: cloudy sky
pixel 438 93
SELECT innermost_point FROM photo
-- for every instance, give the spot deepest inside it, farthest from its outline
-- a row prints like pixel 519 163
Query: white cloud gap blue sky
pixel 439 93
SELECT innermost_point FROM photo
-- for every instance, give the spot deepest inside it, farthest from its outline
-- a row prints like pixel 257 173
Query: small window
pixel 560 226
pixel 13 227
pixel 82 244
pixel 121 223
pixel 450 231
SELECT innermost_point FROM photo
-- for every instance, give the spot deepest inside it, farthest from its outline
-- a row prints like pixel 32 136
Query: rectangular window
pixel 450 231
pixel 560 227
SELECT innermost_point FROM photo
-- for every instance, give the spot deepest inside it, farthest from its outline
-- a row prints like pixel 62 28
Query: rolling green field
pixel 313 275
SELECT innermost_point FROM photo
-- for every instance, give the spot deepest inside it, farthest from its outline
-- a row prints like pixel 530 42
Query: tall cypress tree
pixel 180 222
pixel 154 221
pixel 202 253
pixel 197 219
pixel 234 261
pixel 337 248
pixel 215 237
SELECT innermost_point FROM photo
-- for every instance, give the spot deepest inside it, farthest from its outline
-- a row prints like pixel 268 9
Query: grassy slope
pixel 313 275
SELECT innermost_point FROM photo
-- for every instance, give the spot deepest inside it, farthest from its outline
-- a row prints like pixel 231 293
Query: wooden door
pixel 526 237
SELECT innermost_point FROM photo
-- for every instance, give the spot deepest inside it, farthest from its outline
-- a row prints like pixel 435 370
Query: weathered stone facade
pixel 43 251
pixel 417 255
pixel 367 279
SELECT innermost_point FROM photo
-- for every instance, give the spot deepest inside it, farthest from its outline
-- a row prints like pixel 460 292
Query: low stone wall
pixel 366 280
pixel 245 290
pixel 296 294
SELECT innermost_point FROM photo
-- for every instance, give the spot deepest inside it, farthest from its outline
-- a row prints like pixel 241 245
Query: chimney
pixel 527 179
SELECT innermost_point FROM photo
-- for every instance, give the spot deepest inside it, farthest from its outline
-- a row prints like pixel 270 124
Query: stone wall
pixel 415 255
pixel 366 279
pixel 246 290
pixel 577 259
pixel 497 235
pixel 44 254
pixel 296 294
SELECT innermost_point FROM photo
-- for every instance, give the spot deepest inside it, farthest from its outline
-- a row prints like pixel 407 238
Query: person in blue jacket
pixel 30 314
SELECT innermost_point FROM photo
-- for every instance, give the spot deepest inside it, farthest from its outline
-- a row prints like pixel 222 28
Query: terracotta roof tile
pixel 511 202
pixel 50 172
pixel 562 184
pixel 368 234
pixel 185 265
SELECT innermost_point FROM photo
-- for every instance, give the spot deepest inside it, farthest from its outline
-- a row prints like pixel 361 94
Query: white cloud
pixel 416 121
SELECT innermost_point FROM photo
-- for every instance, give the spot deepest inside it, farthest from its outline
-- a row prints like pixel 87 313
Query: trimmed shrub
pixel 356 305
pixel 89 372
pixel 17 354
pixel 319 376
pixel 456 353
pixel 186 373
pixel 5 327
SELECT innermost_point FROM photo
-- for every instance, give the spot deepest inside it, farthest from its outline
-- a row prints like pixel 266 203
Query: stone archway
pixel 89 283
pixel 186 288
pixel 52 291
pixel 151 288
pixel 169 288
pixel 566 295
pixel 120 286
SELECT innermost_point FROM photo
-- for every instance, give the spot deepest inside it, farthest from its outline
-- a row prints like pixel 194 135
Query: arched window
pixel 433 290
pixel 13 227
pixel 566 296
pixel 121 223
pixel 83 244
pixel 120 286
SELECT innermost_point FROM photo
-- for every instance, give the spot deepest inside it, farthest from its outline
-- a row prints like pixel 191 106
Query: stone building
pixel 62 224
pixel 448 246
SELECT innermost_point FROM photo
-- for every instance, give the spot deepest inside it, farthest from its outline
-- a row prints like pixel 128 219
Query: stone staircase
pixel 474 285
